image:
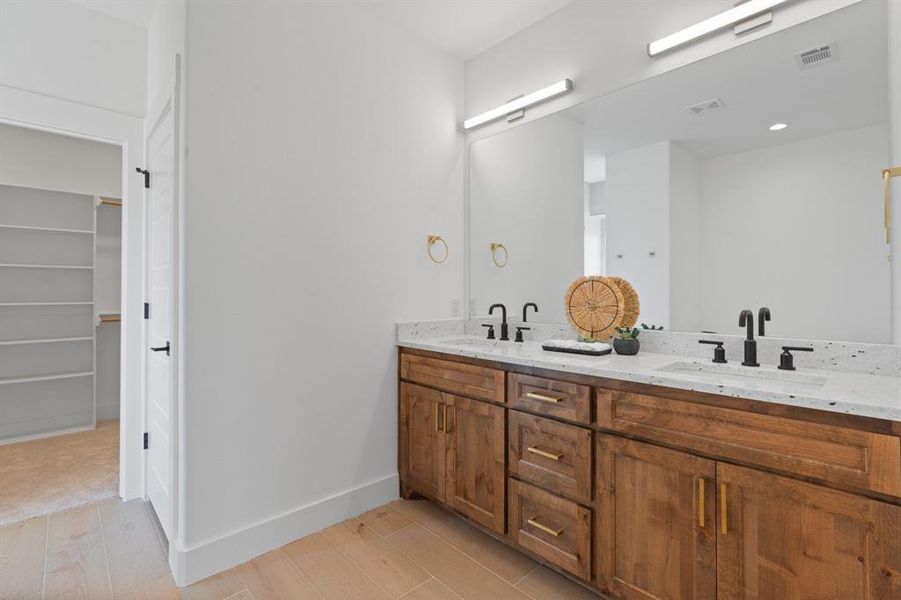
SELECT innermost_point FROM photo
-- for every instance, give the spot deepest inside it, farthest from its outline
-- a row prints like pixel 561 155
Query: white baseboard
pixel 206 559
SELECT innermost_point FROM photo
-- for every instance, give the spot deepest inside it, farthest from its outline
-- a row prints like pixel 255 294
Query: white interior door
pixel 161 326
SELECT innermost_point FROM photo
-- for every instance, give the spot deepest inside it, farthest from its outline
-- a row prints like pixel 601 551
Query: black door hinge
pixel 146 175
pixel 146 440
pixel 146 310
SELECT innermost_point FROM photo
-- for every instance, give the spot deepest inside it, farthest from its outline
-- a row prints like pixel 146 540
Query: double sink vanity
pixel 660 475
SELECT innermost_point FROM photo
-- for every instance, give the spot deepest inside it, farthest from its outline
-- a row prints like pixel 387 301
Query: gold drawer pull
pixel 701 486
pixel 724 509
pixel 554 532
pixel 543 397
pixel 544 453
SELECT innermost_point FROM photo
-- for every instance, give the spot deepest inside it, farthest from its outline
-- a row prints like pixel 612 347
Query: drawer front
pixel 868 461
pixel 467 380
pixel 559 399
pixel 554 528
pixel 553 455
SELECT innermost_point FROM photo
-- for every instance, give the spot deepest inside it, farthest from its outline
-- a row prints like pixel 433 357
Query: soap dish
pixel 574 347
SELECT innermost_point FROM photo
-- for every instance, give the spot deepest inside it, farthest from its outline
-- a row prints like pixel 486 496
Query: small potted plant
pixel 626 341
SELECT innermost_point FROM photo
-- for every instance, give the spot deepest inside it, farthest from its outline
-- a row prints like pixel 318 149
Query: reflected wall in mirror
pixel 679 185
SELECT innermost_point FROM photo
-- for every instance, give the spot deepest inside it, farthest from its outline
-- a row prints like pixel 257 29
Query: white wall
pixel 894 74
pixel 60 49
pixel 526 191
pixel 602 47
pixel 323 148
pixel 638 189
pixel 685 240
pixel 831 281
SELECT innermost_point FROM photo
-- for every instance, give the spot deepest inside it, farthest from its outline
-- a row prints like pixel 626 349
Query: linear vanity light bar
pixel 551 91
pixel 708 26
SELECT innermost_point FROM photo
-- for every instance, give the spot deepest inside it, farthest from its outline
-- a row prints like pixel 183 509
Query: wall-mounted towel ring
pixel 433 239
pixel 500 259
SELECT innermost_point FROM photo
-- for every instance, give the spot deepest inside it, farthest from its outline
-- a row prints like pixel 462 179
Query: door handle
pixel 165 348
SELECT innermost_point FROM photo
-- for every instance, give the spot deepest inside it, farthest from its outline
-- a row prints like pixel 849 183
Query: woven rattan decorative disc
pixel 594 306
pixel 632 304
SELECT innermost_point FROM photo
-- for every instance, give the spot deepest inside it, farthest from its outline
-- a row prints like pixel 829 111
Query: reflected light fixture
pixel 778 126
pixel 551 91
pixel 706 27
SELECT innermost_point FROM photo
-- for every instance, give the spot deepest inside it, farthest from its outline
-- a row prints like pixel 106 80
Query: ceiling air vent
pixel 814 57
pixel 705 106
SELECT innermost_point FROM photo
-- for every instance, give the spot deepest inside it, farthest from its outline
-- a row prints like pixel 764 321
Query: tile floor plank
pixel 134 553
pixel 76 564
pixel 22 558
pixel 509 564
pixel 215 587
pixel 432 590
pixel 544 584
pixel 330 572
pixel 382 562
pixel 273 576
pixel 459 572
pixel 384 520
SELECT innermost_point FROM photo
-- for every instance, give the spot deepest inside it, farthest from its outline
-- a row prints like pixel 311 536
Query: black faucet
pixel 525 307
pixel 505 336
pixel 763 315
pixel 746 319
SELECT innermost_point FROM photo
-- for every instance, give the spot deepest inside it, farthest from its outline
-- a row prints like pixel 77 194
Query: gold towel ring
pixel 432 240
pixel 495 246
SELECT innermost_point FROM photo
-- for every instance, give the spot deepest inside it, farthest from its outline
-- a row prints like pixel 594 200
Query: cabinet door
pixel 475 461
pixel 655 536
pixel 781 539
pixel 422 440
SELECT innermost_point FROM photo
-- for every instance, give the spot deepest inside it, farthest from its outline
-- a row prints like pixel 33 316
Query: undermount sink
pixel 748 377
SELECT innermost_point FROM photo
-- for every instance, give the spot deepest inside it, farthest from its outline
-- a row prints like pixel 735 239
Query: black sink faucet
pixel 525 307
pixel 505 336
pixel 763 315
pixel 746 319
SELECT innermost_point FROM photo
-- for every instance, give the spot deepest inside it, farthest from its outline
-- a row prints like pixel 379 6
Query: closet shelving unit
pixel 47 333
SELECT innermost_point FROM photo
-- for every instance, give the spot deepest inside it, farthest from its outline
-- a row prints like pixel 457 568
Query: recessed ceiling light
pixel 778 126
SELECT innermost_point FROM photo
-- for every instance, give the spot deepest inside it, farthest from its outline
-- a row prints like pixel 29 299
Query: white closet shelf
pixel 47 341
pixel 46 304
pixel 15 380
pixel 25 266
pixel 46 229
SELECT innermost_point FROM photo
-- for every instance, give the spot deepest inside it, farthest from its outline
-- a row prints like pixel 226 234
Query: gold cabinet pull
pixel 543 397
pixel 534 523
pixel 437 418
pixel 544 453
pixel 724 509
pixel 444 410
pixel 701 509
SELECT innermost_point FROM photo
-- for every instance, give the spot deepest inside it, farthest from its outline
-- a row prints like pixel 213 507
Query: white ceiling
pixel 132 11
pixel 465 28
pixel 759 84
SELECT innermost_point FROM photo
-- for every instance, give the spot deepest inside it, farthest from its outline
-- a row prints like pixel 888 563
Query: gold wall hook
pixel 495 246
pixel 433 239
pixel 887 175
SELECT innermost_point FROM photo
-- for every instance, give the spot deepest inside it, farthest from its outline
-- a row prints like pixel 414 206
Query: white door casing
pixel 162 324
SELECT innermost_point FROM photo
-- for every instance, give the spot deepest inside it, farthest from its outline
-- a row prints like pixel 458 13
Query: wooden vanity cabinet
pixel 778 538
pixel 655 523
pixel 451 449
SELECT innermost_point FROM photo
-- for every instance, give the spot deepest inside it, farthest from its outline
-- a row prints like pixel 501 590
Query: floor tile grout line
pixel 521 579
pixel 46 547
pixel 416 587
pixel 156 533
pixel 347 556
pixel 299 570
pixel 404 528
pixel 109 576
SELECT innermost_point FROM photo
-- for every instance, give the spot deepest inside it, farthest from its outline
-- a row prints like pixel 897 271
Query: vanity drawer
pixel 459 378
pixel 554 528
pixel 553 455
pixel 847 457
pixel 555 398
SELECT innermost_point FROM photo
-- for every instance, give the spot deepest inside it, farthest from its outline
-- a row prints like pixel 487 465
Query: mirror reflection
pixel 749 179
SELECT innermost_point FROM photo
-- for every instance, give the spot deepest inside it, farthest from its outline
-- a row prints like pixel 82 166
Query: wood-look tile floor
pixel 56 473
pixel 406 549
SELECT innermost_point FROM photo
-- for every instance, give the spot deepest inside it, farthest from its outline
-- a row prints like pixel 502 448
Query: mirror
pixel 685 185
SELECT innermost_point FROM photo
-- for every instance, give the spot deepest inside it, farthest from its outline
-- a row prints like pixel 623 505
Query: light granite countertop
pixel 862 394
